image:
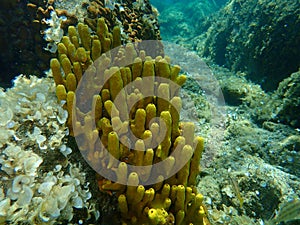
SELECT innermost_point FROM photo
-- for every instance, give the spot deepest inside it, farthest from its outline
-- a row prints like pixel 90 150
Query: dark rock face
pixel 260 38
pixel 22 25
pixel 21 42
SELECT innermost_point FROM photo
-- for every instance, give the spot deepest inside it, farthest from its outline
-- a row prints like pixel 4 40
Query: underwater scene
pixel 150 112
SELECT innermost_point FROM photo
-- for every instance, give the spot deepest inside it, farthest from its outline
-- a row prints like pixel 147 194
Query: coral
pixel 136 121
pixel 54 33
pixel 33 106
pixel 38 184
pixel 46 201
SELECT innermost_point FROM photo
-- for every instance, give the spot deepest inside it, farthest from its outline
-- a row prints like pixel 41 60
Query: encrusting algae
pixel 140 133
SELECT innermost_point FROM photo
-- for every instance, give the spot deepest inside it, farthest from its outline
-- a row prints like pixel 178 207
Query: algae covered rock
pixel 260 38
pixel 289 92
pixel 283 105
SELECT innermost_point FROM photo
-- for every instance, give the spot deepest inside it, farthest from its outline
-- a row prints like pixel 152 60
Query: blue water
pixel 179 19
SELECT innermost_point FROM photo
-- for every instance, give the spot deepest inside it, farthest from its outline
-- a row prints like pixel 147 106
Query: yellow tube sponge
pixel 137 120
pixel 138 126
pixel 126 75
pixel 72 32
pixel 70 101
pixel 123 205
pixel 139 152
pixel 133 180
pixel 71 52
pixel 84 35
pixel 97 107
pixel 180 198
pixel 55 68
pixel 103 34
pixel 183 173
pixel 147 162
pixel 180 80
pixel 81 55
pixel 122 173
pixel 71 82
pixel 66 65
pixel 165 131
pixel 115 82
pixel 163 101
pixel 140 191
pixel 150 114
pixel 113 149
pixel 116 37
pixel 175 113
pixel 157 216
pixel 174 72
pixel 62 49
pixel 77 70
pixel 61 92
pixel 137 68
pixel 163 68
pixel 96 49
pixel 65 40
pixel 74 41
pixel 188 130
pixel 195 162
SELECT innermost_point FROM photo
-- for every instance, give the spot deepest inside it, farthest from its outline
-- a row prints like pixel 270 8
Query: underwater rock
pixel 281 106
pixel 249 36
pixel 288 93
pixel 21 43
